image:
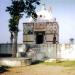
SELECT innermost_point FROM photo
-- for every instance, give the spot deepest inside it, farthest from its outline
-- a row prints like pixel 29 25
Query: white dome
pixel 43 16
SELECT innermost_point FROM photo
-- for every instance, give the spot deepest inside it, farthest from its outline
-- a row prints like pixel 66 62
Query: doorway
pixel 39 37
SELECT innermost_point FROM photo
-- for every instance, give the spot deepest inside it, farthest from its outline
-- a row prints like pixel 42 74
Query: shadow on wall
pixel 3 69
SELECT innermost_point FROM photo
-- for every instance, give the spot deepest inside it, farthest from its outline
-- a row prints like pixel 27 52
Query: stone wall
pixel 52 51
pixel 42 51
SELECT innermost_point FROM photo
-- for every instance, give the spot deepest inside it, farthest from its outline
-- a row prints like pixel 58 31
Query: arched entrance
pixel 39 37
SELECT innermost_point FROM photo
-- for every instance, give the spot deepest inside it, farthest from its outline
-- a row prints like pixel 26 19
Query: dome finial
pixel 43 6
pixel 50 9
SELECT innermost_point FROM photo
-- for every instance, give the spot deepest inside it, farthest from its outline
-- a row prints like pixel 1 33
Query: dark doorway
pixel 39 37
pixel 54 39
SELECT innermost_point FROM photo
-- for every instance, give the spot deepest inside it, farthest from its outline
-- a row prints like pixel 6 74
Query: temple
pixel 44 30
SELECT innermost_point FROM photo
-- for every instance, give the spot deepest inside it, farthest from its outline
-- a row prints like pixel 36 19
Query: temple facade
pixel 44 30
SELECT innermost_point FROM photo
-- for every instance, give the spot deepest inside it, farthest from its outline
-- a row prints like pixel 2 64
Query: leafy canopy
pixel 18 8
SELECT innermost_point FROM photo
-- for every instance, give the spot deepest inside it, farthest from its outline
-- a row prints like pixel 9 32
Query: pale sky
pixel 63 10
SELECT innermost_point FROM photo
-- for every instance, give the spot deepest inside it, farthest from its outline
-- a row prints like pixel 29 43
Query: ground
pixel 40 69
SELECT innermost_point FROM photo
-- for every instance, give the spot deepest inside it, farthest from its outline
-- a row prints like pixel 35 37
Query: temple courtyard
pixel 55 68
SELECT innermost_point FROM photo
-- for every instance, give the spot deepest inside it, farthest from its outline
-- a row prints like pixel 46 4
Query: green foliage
pixel 16 10
pixel 13 24
pixel 62 63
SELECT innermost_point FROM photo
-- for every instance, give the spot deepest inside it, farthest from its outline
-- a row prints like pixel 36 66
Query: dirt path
pixel 40 69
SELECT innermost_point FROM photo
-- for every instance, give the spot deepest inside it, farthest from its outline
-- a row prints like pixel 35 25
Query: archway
pixel 40 37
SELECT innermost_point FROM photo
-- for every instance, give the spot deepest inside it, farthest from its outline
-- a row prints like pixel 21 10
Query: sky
pixel 63 10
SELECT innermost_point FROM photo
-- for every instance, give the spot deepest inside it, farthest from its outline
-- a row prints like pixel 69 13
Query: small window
pixel 30 32
pixel 40 15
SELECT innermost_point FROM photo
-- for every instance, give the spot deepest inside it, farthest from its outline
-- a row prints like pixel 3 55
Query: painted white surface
pixel 44 15
pixel 59 51
pixel 68 53
pixel 48 52
pixel 14 61
pixel 10 63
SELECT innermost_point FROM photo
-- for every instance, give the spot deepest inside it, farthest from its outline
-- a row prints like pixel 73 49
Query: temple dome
pixel 43 15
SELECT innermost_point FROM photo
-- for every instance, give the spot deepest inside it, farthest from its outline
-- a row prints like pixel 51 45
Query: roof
pixel 43 15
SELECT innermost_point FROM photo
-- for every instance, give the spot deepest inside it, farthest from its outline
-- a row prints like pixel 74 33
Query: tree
pixel 16 11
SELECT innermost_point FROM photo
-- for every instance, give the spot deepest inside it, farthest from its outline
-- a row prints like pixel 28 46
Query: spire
pixel 50 9
pixel 43 7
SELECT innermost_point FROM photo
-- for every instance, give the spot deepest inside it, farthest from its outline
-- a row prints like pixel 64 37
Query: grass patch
pixel 61 63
